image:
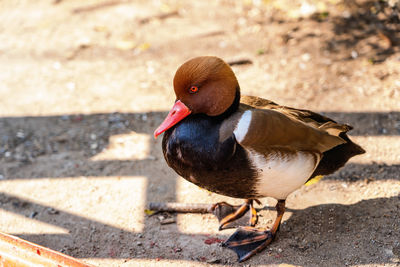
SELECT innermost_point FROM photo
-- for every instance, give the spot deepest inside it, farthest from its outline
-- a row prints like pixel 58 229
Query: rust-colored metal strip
pixel 16 252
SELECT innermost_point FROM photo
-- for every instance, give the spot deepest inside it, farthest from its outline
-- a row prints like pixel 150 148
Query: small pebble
pixel 139 243
pixel 52 211
pixel 33 214
pixel 150 70
pixel 346 14
pixel 57 65
pixel 214 260
pixel 94 146
pixel 71 86
pixel 20 134
pixel 306 57
pixel 354 54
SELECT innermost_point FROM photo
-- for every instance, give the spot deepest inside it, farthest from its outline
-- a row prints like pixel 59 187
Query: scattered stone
pixel 168 220
pixel 306 57
pixel 307 9
pixel 346 14
pixel 176 250
pixel 302 66
pixel 354 54
pixel 150 70
pixel 214 260
pixel 125 44
pixel 94 146
pixel 33 214
pixel 52 211
pixel 20 134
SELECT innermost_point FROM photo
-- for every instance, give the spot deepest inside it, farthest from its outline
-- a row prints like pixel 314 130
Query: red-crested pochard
pixel 246 147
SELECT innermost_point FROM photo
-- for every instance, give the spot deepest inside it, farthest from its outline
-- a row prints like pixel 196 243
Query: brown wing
pixel 270 129
pixel 306 116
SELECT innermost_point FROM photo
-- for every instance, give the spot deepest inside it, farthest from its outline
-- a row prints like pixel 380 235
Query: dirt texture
pixel 83 85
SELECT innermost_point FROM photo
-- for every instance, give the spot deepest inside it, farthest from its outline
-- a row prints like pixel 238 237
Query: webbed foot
pixel 248 241
pixel 228 214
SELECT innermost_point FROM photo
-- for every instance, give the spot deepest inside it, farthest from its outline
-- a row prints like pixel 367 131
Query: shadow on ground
pixel 370 28
pixel 21 145
pixel 313 232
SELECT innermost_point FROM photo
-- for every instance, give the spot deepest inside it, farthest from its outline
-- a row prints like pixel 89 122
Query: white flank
pixel 243 126
pixel 280 175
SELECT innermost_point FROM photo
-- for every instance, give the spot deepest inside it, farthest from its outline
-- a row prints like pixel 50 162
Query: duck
pixel 246 147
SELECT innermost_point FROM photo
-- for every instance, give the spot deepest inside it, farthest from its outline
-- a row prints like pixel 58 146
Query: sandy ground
pixel 83 84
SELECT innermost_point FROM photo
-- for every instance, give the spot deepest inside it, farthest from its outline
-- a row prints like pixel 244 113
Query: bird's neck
pixel 233 107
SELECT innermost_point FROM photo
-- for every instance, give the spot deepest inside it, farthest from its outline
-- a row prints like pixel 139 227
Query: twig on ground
pixel 159 16
pixel 240 62
pixel 210 34
pixel 98 6
pixel 180 207
pixel 194 207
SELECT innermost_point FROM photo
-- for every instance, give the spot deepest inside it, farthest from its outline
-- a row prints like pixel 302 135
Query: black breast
pixel 193 149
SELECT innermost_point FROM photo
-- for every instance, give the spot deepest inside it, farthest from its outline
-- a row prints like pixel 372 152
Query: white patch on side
pixel 280 174
pixel 243 126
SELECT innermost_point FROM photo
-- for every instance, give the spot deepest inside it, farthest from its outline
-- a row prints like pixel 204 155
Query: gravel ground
pixel 85 83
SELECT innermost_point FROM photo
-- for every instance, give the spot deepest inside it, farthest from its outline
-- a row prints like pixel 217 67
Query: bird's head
pixel 202 85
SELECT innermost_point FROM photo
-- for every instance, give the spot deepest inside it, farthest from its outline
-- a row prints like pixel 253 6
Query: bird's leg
pixel 247 241
pixel 227 213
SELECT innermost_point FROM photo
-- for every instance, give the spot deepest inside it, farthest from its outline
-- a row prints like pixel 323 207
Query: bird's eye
pixel 193 89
